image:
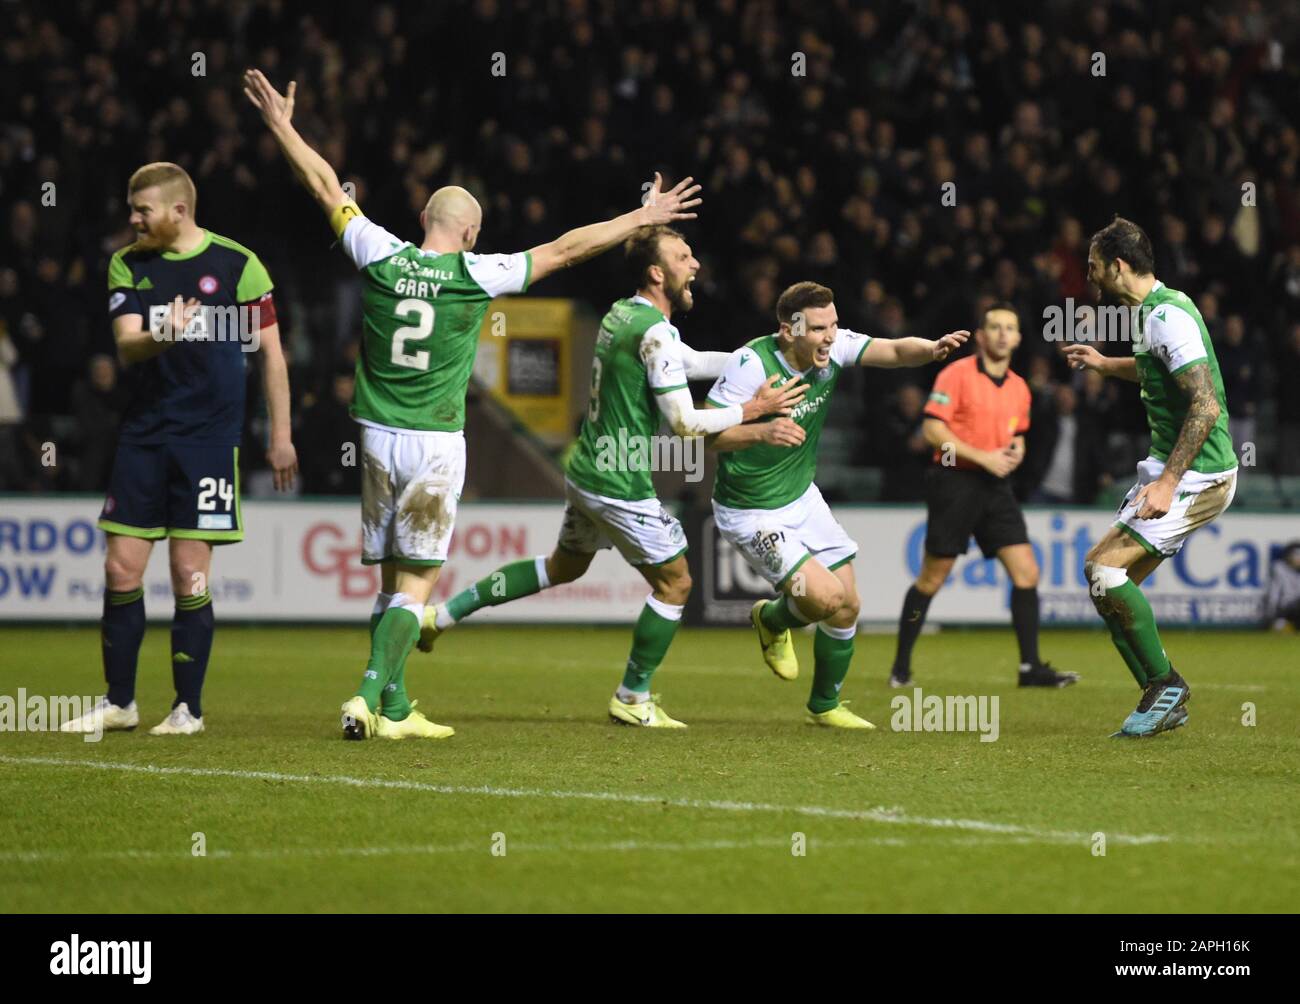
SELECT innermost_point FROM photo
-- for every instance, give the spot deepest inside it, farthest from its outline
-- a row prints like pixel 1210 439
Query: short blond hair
pixel 175 183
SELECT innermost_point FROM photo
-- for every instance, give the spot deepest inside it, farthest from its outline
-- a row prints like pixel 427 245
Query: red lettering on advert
pixel 323 555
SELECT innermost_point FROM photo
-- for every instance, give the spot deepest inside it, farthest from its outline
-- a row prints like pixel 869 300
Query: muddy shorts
pixel 410 488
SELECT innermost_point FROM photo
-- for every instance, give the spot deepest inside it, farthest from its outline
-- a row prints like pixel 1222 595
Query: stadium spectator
pixel 1282 605
pixel 837 173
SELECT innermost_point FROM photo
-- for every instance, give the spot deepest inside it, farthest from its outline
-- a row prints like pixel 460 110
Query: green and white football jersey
pixel 769 477
pixel 421 314
pixel 1171 336
pixel 613 456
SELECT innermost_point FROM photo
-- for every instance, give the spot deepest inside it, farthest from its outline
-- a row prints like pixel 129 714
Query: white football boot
pixel 104 717
pixel 179 723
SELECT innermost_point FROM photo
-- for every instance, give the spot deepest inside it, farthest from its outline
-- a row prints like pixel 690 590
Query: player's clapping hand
pixel 660 207
pixel 949 343
pixel 774 400
pixel 283 459
pixel 1083 357
pixel 276 108
pixel 783 432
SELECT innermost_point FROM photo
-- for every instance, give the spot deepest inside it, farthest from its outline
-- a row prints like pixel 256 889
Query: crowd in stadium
pixel 922 159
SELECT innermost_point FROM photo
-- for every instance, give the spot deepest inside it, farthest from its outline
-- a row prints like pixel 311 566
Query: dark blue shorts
pixel 174 490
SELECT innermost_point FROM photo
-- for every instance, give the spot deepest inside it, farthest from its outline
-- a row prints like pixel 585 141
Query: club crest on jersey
pixel 208 285
pixel 823 374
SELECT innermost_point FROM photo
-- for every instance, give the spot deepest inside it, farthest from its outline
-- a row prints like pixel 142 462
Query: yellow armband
pixel 344 213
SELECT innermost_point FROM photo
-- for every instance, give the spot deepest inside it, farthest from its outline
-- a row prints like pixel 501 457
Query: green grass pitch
pixel 593 816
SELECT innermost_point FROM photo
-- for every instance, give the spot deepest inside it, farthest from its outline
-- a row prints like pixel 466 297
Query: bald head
pixel 452 215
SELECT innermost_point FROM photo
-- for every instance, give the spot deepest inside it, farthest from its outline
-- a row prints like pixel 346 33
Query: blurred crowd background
pixel 823 134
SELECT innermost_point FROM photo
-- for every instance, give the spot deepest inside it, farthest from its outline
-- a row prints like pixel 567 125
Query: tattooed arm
pixel 1154 500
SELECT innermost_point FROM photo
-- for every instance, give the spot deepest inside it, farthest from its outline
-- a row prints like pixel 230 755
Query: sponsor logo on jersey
pixel 116 300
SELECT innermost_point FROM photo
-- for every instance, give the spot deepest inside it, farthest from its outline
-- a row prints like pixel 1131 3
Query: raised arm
pixel 586 242
pixel 1085 357
pixel 311 168
pixel 891 353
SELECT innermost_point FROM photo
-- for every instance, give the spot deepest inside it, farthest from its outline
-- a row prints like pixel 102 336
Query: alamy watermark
pixel 205 323
pixel 1083 322
pixel 37 713
pixel 633 452
pixel 951 713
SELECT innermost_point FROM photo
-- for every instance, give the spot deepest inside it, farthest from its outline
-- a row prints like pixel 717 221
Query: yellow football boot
pixel 647 713
pixel 839 717
pixel 778 649
pixel 358 719
pixel 413 726
pixel 429 629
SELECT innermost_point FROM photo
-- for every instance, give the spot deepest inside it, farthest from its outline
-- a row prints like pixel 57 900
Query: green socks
pixel 385 677
pixel 650 640
pixel 378 610
pixel 780 615
pixel 832 653
pixel 1132 626
pixel 509 582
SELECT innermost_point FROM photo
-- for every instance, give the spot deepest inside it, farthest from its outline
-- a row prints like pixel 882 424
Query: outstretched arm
pixel 1085 357
pixel 586 242
pixel 311 168
pixel 895 352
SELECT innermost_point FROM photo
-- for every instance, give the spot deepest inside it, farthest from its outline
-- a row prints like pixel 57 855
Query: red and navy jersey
pixel 193 392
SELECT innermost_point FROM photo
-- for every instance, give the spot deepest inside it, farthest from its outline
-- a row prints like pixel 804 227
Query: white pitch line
pixel 479 847
pixel 876 815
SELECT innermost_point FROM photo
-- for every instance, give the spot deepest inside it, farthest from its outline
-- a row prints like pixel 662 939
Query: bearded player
pixel 422 308
pixel 638 376
pixel 767 506
pixel 187 305
pixel 1189 478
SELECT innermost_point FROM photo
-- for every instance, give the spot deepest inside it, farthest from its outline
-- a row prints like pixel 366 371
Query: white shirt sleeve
pixel 703 365
pixel 685 419
pixel 1173 337
pixel 848 347
pixel 740 380
pixel 661 351
pixel 366 242
pixel 499 274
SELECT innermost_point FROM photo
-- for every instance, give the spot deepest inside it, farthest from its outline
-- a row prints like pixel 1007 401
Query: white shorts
pixel 644 532
pixel 777 541
pixel 410 488
pixel 1198 499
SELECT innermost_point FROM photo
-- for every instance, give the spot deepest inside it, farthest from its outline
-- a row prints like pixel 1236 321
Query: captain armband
pixel 341 216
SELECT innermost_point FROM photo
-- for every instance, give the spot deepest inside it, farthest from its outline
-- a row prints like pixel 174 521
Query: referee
pixel 976 419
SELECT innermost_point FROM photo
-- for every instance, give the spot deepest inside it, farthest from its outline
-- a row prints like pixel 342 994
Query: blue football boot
pixel 1161 708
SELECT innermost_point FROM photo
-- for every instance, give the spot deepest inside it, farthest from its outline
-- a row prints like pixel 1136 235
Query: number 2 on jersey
pixel 423 313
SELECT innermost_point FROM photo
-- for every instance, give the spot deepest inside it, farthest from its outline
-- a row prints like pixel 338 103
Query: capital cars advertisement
pixel 300 561
pixel 1218 578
